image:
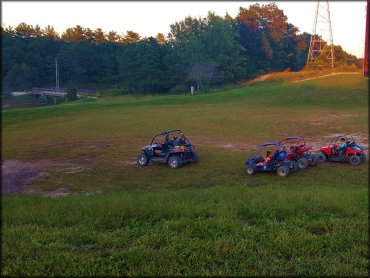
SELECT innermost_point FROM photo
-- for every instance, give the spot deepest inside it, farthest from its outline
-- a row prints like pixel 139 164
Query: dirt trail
pixel 292 76
pixel 326 75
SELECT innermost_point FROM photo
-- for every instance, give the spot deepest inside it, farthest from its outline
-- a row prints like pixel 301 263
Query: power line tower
pixel 366 56
pixel 321 35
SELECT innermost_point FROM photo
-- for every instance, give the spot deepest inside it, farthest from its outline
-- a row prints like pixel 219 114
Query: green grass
pixel 204 219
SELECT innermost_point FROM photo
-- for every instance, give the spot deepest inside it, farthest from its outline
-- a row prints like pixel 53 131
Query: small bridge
pixel 48 92
pixel 61 92
pixel 53 92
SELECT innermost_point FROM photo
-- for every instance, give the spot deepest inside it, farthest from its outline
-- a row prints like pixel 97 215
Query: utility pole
pixel 366 56
pixel 317 43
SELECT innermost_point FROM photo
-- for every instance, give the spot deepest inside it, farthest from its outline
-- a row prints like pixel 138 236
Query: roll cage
pixel 172 132
pixel 301 142
pixel 277 145
pixel 345 136
pixel 298 138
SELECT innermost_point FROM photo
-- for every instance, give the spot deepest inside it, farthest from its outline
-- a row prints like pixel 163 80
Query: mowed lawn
pixel 204 219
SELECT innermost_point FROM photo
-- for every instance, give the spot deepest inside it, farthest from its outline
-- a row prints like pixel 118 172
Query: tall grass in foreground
pixel 279 228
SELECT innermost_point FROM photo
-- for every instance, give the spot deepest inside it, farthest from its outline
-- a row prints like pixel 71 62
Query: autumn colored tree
pixel 160 38
pixel 75 34
pixel 49 32
pixel 99 36
pixel 89 34
pixel 130 37
pixel 112 36
pixel 24 30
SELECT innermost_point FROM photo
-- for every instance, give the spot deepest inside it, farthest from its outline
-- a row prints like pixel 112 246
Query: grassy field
pixel 204 219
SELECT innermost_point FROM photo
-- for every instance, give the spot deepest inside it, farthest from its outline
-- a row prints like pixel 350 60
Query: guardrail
pixel 49 92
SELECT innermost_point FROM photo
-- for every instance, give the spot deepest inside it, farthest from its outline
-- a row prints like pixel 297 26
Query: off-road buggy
pixel 352 152
pixel 298 151
pixel 275 160
pixel 170 147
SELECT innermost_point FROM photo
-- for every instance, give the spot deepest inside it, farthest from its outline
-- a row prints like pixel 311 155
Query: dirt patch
pixel 129 162
pixel 60 192
pixel 80 144
pixel 231 146
pixel 332 118
pixel 16 174
pixel 226 146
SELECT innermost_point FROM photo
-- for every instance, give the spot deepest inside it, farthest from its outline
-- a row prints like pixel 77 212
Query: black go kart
pixel 170 147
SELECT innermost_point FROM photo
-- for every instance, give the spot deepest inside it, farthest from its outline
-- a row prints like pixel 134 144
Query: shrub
pixel 71 94
pixel 180 89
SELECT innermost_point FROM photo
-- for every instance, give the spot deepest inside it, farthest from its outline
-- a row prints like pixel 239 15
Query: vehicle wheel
pixel 195 157
pixel 142 159
pixel 303 163
pixel 283 171
pixel 295 166
pixel 174 161
pixel 313 160
pixel 250 170
pixel 321 157
pixel 363 157
pixel 355 160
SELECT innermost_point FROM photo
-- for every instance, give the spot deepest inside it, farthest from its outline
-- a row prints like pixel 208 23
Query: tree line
pixel 200 52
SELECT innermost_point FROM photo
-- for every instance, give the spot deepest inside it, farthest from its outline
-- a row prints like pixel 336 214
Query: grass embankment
pixel 204 219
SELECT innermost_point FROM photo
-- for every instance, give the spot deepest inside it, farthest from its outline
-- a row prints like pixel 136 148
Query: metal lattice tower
pixel 321 35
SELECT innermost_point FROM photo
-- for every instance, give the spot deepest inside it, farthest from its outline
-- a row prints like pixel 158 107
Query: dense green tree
pixel 201 52
pixel 142 69
pixel 19 78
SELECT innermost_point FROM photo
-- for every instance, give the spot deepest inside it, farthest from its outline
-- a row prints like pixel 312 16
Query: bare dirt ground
pixel 16 174
pixel 81 144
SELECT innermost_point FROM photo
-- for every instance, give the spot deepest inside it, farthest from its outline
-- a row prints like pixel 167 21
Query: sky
pixel 151 17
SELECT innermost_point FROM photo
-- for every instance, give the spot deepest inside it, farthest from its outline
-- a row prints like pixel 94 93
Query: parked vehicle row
pixel 283 157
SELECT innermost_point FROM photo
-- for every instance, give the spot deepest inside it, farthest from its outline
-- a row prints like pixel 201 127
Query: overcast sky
pixel 149 18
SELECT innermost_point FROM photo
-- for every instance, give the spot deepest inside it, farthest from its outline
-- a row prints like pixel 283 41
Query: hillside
pixel 116 218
